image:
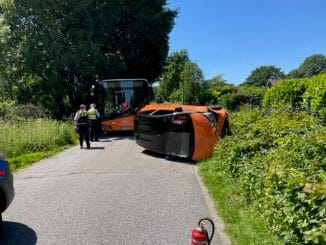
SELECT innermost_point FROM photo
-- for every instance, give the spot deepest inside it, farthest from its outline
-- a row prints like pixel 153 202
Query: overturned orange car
pixel 184 131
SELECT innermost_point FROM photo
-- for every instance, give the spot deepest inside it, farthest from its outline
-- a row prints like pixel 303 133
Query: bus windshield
pixel 118 97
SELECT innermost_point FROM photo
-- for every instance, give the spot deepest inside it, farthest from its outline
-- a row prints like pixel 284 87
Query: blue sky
pixel 233 37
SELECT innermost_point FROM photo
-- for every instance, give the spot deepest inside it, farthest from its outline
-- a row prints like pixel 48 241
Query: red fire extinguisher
pixel 199 235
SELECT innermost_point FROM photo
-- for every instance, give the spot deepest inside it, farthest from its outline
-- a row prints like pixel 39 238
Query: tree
pixel 260 75
pixel 171 76
pixel 214 88
pixel 312 65
pixel 10 63
pixel 243 95
pixel 295 73
pixel 191 81
pixel 70 44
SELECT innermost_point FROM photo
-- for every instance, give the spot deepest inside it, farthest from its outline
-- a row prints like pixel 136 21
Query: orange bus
pixel 118 100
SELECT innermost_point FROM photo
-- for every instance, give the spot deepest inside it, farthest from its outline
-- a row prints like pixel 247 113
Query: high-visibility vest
pixel 91 114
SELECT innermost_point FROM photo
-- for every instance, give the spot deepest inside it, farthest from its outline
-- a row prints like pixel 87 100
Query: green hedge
pixel 243 95
pixel 316 93
pixel 287 92
pixel 304 93
pixel 279 160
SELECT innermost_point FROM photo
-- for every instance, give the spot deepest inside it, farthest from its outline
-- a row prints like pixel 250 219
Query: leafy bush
pixel 244 95
pixel 286 93
pixel 9 110
pixel 279 161
pixel 308 93
pixel 6 108
pixel 316 93
pixel 29 111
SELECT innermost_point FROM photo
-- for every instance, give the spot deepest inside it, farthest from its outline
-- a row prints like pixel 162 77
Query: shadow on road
pixel 16 233
pixel 123 138
pixel 96 148
pixel 169 158
pixel 120 135
pixel 105 140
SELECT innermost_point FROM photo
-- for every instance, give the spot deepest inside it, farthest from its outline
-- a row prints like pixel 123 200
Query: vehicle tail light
pixel 179 120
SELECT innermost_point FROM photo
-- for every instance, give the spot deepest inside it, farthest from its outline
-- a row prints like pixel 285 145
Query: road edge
pixel 219 225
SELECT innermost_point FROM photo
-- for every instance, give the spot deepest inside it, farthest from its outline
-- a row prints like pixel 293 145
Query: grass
pixel 243 224
pixel 26 141
pixel 21 162
pixel 268 179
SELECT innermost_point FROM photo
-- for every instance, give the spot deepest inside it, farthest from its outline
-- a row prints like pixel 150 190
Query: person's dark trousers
pixel 94 130
pixel 83 135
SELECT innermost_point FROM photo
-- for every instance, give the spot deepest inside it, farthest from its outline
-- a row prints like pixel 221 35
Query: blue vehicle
pixel 7 191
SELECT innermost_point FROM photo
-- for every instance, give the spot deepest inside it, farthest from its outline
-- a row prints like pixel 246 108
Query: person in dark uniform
pixel 93 116
pixel 82 124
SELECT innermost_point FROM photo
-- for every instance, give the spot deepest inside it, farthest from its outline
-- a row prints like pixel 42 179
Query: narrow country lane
pixel 113 194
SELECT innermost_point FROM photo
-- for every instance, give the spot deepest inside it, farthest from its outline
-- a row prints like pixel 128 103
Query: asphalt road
pixel 114 193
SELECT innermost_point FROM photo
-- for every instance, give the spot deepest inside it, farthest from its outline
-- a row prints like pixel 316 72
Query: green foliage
pixel 10 111
pixel 29 111
pixel 66 45
pixel 294 74
pixel 218 91
pixel 304 93
pixel 242 95
pixel 260 75
pixel 278 161
pixel 243 223
pixel 6 108
pixel 171 76
pixel 176 96
pixel 26 159
pixel 34 135
pixel 11 63
pixel 191 80
pixel 311 66
pixel 288 92
pixel 181 79
pixel 316 95
pixel 213 89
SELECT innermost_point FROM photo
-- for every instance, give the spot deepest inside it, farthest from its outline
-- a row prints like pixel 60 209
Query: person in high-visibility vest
pixel 93 116
pixel 82 125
